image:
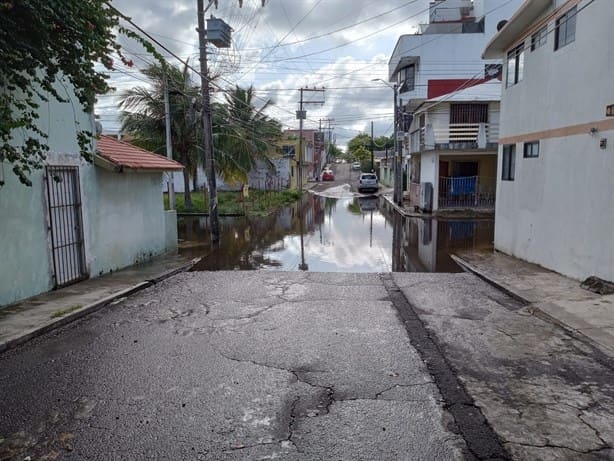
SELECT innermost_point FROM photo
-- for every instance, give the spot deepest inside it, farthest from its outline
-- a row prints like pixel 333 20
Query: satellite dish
pixel 501 24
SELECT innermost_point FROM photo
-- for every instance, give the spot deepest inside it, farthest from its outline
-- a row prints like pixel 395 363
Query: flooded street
pixel 334 231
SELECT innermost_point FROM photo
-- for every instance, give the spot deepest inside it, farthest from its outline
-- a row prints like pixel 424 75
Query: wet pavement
pixel 335 230
pixel 315 365
pixel 308 366
pixel 229 365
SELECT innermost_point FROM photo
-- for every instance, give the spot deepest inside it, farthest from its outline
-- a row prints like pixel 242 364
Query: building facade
pixel 80 219
pixel 453 150
pixel 556 153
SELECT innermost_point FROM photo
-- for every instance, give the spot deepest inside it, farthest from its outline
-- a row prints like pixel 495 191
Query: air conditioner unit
pixel 426 196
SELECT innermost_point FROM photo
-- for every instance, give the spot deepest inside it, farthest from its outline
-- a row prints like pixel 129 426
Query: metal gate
pixel 65 224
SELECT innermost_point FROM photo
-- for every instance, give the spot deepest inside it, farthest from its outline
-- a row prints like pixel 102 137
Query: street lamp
pixel 397 195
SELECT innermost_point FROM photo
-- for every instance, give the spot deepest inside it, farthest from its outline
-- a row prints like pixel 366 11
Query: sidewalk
pixel 559 299
pixel 34 316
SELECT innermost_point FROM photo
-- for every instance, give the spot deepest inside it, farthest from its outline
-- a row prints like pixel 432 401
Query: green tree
pixel 335 152
pixel 242 134
pixel 42 42
pixel 143 117
pixel 383 142
pixel 362 140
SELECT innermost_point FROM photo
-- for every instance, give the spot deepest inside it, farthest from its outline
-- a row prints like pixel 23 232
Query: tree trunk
pixel 187 196
pixel 195 179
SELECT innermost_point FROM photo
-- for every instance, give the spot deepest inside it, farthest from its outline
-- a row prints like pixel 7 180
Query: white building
pixel 80 219
pixel 446 53
pixel 453 147
pixel 556 154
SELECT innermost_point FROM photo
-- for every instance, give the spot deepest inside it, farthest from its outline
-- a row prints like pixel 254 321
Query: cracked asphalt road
pixel 308 366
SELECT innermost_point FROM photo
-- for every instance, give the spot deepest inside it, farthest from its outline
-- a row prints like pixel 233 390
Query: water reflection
pixel 324 234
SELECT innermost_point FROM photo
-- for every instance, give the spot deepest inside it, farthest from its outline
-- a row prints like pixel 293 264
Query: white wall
pixel 123 217
pixel 558 210
pixel 127 223
pixel 451 56
pixel 25 263
pixel 429 172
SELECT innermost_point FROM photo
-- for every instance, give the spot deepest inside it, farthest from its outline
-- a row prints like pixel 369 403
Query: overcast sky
pixel 287 44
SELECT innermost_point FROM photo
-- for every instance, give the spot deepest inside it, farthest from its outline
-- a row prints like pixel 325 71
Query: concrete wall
pixel 557 211
pixel 127 223
pixel 123 217
pixel 25 265
pixel 429 172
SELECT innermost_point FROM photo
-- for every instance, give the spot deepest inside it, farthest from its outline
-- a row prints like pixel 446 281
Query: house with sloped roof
pixel 80 219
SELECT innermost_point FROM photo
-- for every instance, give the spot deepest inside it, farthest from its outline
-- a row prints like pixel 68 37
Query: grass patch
pixel 63 312
pixel 257 203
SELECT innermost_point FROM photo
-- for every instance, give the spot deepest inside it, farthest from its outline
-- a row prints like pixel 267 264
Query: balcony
pixel 467 192
pixel 455 136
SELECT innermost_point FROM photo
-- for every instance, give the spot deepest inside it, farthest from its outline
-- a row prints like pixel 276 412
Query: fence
pixel 467 192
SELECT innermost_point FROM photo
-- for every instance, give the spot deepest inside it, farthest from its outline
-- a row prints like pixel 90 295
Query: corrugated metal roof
pixel 123 156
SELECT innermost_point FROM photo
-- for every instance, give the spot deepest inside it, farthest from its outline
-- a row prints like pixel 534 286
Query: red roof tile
pixel 127 156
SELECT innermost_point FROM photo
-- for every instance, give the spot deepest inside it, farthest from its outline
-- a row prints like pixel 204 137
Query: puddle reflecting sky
pixel 336 233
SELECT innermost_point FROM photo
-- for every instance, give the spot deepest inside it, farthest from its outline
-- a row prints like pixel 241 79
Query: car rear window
pixel 369 176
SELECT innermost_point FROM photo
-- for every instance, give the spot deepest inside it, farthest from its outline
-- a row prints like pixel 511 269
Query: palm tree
pixel 242 134
pixel 143 117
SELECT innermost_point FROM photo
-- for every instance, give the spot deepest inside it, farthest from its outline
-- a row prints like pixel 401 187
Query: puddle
pixel 337 232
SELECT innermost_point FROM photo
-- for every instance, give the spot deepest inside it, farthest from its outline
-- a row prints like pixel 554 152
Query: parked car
pixel 367 182
pixel 356 166
pixel 328 175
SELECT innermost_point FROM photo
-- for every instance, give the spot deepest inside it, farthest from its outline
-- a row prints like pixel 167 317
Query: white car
pixel 367 182
pixel 356 166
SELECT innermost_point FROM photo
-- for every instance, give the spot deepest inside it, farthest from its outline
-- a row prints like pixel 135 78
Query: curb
pixel 90 308
pixel 468 268
pixel 604 352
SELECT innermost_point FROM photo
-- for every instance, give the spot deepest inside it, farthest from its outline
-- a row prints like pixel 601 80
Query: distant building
pixel 556 155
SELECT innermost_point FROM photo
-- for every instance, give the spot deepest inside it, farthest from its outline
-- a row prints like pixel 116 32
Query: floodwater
pixel 336 232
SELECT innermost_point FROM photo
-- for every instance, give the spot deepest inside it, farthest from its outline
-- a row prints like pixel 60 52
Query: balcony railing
pixel 467 192
pixel 455 136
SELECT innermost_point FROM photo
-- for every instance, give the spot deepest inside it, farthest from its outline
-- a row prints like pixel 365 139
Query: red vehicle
pixel 328 175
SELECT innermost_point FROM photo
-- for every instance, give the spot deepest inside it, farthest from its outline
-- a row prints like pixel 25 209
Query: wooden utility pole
pixel 301 114
pixel 221 38
pixel 169 144
pixel 372 148
pixel 214 220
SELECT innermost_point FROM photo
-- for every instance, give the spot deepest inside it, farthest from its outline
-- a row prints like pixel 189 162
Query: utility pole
pixel 220 38
pixel 328 120
pixel 169 144
pixel 372 147
pixel 398 177
pixel 214 220
pixel 301 114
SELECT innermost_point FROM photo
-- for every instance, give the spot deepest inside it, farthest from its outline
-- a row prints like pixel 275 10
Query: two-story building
pixel 428 68
pixel 556 153
pixel 445 54
pixel 453 149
